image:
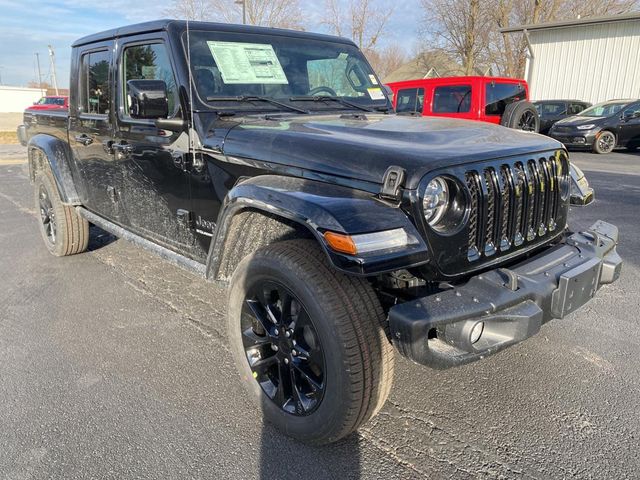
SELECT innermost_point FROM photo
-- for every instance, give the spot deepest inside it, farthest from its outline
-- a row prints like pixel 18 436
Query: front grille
pixel 513 204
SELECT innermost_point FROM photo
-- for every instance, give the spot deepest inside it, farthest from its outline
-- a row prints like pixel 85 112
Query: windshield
pixel 286 69
pixel 550 108
pixel 51 101
pixel 603 110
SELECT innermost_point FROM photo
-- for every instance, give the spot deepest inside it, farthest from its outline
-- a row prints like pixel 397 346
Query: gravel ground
pixel 113 364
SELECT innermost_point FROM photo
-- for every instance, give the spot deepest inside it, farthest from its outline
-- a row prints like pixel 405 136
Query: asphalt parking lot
pixel 113 364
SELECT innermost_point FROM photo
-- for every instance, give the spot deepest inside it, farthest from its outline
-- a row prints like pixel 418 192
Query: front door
pixel 154 189
pixel 91 131
pixel 629 133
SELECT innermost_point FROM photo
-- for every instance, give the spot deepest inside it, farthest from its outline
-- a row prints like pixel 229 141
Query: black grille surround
pixel 513 205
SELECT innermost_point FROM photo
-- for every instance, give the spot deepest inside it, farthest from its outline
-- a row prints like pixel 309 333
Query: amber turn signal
pixel 340 243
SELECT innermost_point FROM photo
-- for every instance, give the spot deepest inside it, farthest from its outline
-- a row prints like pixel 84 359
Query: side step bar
pixel 173 257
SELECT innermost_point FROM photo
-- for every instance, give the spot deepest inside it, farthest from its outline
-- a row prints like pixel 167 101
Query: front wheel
pixel 605 142
pixel 309 342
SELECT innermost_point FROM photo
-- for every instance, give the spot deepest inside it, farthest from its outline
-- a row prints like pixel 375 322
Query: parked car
pixel 602 128
pixel 340 228
pixel 488 99
pixel 51 103
pixel 551 111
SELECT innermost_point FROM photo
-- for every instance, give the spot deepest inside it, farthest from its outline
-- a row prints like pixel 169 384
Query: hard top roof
pixel 159 25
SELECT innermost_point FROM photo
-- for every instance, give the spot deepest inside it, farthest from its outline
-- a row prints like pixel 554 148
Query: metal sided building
pixel 592 59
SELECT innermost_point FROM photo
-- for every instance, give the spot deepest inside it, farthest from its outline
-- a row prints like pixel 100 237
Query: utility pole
pixel 52 55
pixel 244 10
pixel 39 73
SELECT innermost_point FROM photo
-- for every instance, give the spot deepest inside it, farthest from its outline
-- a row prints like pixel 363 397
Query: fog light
pixel 476 332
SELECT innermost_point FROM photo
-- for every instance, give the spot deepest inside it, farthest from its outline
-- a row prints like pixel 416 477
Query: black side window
pixel 95 96
pixel 576 108
pixel 499 95
pixel 452 99
pixel 410 100
pixel 148 62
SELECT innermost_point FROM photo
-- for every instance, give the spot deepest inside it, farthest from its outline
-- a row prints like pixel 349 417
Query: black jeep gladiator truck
pixel 272 160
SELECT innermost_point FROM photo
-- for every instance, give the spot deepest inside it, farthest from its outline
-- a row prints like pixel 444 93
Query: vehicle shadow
pixel 282 457
pixel 99 238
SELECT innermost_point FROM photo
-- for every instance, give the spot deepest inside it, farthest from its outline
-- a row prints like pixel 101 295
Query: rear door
pixel 91 129
pixel 154 187
pixel 453 100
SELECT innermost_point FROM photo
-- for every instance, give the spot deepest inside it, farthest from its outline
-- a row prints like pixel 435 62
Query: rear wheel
pixel 64 232
pixel 309 342
pixel 605 142
pixel 521 116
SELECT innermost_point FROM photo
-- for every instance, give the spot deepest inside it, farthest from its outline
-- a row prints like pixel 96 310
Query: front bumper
pixel 575 139
pixel 513 303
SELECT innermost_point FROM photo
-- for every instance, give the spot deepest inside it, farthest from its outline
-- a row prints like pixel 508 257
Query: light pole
pixel 53 68
pixel 244 10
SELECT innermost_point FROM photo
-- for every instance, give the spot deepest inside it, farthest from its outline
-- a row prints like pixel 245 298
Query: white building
pixel 16 99
pixel 591 59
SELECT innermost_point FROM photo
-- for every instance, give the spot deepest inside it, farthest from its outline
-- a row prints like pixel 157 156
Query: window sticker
pixel 247 63
pixel 373 79
pixel 375 93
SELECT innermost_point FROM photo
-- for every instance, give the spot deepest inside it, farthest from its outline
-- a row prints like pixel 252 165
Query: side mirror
pixel 147 99
pixel 581 192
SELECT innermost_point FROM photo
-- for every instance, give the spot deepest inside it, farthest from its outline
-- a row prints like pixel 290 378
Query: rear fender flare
pixel 45 151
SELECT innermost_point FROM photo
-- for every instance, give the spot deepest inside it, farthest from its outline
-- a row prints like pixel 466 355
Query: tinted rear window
pixel 95 96
pixel 499 95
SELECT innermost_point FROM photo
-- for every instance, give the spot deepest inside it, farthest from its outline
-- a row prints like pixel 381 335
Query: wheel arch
pixel 270 208
pixel 46 151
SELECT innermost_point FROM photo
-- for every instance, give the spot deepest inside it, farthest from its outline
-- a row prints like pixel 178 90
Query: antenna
pixel 190 122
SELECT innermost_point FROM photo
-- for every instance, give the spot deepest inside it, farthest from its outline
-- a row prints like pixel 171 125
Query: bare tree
pixel 508 52
pixel 460 28
pixel 388 59
pixel 198 10
pixel 361 20
pixel 267 13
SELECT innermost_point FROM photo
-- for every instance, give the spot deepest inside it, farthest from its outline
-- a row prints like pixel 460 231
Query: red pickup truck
pixel 489 99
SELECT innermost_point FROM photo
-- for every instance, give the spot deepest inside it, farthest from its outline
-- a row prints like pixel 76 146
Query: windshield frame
pixel 227 105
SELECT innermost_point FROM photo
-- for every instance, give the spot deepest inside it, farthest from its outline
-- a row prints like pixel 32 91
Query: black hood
pixel 363 148
pixel 577 120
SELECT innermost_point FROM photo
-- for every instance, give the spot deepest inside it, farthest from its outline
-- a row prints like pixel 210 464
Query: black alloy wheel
pixel 47 215
pixel 605 142
pixel 527 121
pixel 283 348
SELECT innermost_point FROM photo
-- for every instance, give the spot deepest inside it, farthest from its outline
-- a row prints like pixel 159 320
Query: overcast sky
pixel 28 26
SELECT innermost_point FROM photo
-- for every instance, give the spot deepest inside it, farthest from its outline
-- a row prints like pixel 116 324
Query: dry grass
pixel 8 138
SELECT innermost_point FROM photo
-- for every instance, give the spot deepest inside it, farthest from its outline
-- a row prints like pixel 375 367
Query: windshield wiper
pixel 323 98
pixel 256 98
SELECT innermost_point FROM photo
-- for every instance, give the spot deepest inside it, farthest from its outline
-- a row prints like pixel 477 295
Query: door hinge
pixel 392 182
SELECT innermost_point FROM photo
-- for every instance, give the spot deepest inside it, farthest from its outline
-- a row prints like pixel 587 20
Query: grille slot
pixel 512 204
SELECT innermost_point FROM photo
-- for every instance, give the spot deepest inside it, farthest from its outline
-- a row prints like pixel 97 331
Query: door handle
pixel 83 139
pixel 122 150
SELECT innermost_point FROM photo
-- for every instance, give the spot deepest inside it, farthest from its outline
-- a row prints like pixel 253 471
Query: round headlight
pixel 436 200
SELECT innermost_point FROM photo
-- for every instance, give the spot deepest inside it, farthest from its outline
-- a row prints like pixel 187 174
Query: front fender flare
pixel 57 156
pixel 320 207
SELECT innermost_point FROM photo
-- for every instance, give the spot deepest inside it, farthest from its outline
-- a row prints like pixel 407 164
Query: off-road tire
pixel 71 230
pixel 350 323
pixel 515 113
pixel 601 145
